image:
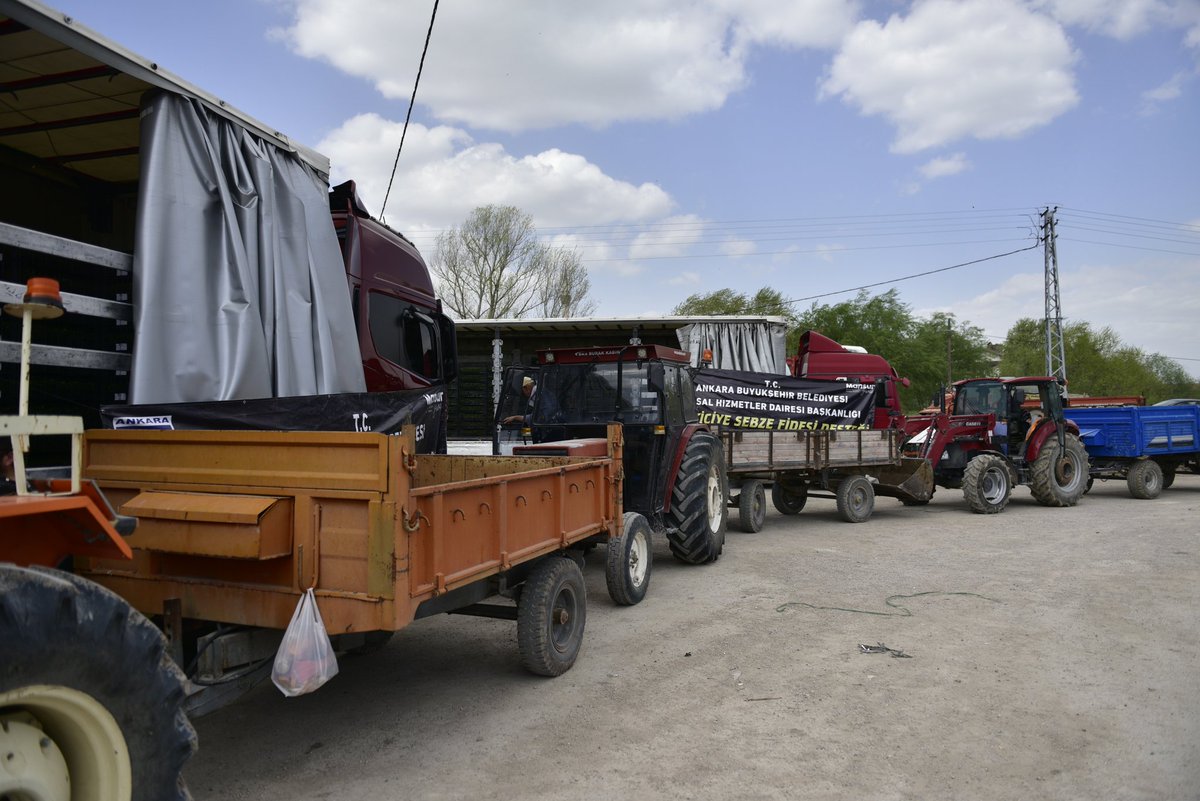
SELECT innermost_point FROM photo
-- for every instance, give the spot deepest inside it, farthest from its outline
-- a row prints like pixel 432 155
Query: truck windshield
pixel 587 393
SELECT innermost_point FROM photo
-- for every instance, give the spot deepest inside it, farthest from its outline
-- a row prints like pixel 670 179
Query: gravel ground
pixel 1053 654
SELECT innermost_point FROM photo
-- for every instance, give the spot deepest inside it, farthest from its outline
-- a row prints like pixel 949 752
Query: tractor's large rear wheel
pixel 85 683
pixel 986 484
pixel 699 502
pixel 1059 478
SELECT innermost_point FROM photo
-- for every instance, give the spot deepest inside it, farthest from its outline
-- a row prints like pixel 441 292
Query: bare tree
pixel 493 266
pixel 564 293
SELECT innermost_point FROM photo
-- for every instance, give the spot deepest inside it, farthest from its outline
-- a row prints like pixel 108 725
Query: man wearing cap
pixel 529 390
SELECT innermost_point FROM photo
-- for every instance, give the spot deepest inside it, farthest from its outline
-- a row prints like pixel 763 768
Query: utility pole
pixel 1056 356
pixel 949 359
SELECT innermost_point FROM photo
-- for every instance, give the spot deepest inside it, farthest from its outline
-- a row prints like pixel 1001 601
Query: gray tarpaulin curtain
pixel 239 286
pixel 757 347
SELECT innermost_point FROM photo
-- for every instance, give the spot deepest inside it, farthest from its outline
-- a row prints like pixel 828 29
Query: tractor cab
pixel 577 392
pixel 1018 406
pixel 574 393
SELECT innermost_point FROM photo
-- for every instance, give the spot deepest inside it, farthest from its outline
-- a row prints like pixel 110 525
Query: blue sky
pixel 809 146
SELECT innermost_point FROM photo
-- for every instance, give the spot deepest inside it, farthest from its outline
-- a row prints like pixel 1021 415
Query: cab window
pixel 404 335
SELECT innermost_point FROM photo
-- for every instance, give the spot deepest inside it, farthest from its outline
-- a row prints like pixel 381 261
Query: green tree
pixel 1098 362
pixel 915 347
pixel 765 302
pixel 494 265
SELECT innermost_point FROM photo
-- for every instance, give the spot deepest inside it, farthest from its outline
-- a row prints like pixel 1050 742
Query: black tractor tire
pixel 1053 484
pixel 551 615
pixel 75 654
pixel 855 499
pixel 630 559
pixel 788 500
pixel 1090 483
pixel 699 503
pixel 752 506
pixel 987 484
pixel 1168 472
pixel 1145 480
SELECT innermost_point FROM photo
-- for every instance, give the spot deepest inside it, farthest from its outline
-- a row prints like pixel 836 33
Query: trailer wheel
pixel 987 484
pixel 855 499
pixel 550 617
pixel 1145 480
pixel 788 500
pixel 752 506
pixel 90 676
pixel 699 510
pixel 1058 479
pixel 630 558
pixel 1168 472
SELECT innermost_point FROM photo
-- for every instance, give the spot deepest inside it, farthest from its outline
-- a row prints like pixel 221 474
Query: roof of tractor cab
pixel 1028 379
pixel 626 353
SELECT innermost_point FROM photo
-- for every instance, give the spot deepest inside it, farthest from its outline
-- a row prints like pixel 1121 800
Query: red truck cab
pixel 820 357
pixel 405 339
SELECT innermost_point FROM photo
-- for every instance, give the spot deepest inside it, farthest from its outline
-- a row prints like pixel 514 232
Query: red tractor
pixel 1000 433
pixel 674 470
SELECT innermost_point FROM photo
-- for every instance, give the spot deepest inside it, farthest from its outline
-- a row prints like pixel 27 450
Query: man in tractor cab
pixel 529 390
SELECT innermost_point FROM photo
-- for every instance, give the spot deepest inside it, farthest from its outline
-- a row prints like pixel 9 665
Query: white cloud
pixel 951 70
pixel 672 236
pixel 541 63
pixel 688 279
pixel 1170 90
pixel 1120 19
pixel 943 166
pixel 443 174
pixel 737 247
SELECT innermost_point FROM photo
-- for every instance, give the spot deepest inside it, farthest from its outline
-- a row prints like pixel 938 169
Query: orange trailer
pixel 233 527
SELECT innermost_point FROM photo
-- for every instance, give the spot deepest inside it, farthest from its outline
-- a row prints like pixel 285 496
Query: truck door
pixel 513 402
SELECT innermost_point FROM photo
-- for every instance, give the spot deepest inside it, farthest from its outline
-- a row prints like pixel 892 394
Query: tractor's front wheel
pixel 986 484
pixel 86 686
pixel 1145 480
pixel 1059 477
pixel 699 502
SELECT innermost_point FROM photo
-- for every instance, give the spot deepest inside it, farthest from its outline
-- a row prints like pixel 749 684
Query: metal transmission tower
pixel 1056 356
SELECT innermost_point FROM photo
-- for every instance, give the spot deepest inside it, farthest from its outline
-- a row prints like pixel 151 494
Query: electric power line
pixel 411 102
pixel 914 275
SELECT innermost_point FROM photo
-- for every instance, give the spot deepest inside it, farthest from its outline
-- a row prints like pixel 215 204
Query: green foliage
pixel 766 302
pixel 1098 363
pixel 916 347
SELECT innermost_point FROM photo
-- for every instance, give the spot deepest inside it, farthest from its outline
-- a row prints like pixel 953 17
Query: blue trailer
pixel 1145 445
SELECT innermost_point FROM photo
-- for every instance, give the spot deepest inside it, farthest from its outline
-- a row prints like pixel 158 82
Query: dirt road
pixel 1054 654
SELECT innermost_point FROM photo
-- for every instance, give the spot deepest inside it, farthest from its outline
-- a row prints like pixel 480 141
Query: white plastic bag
pixel 305 659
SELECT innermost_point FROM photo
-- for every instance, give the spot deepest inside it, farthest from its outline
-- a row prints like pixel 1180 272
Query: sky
pixel 812 146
